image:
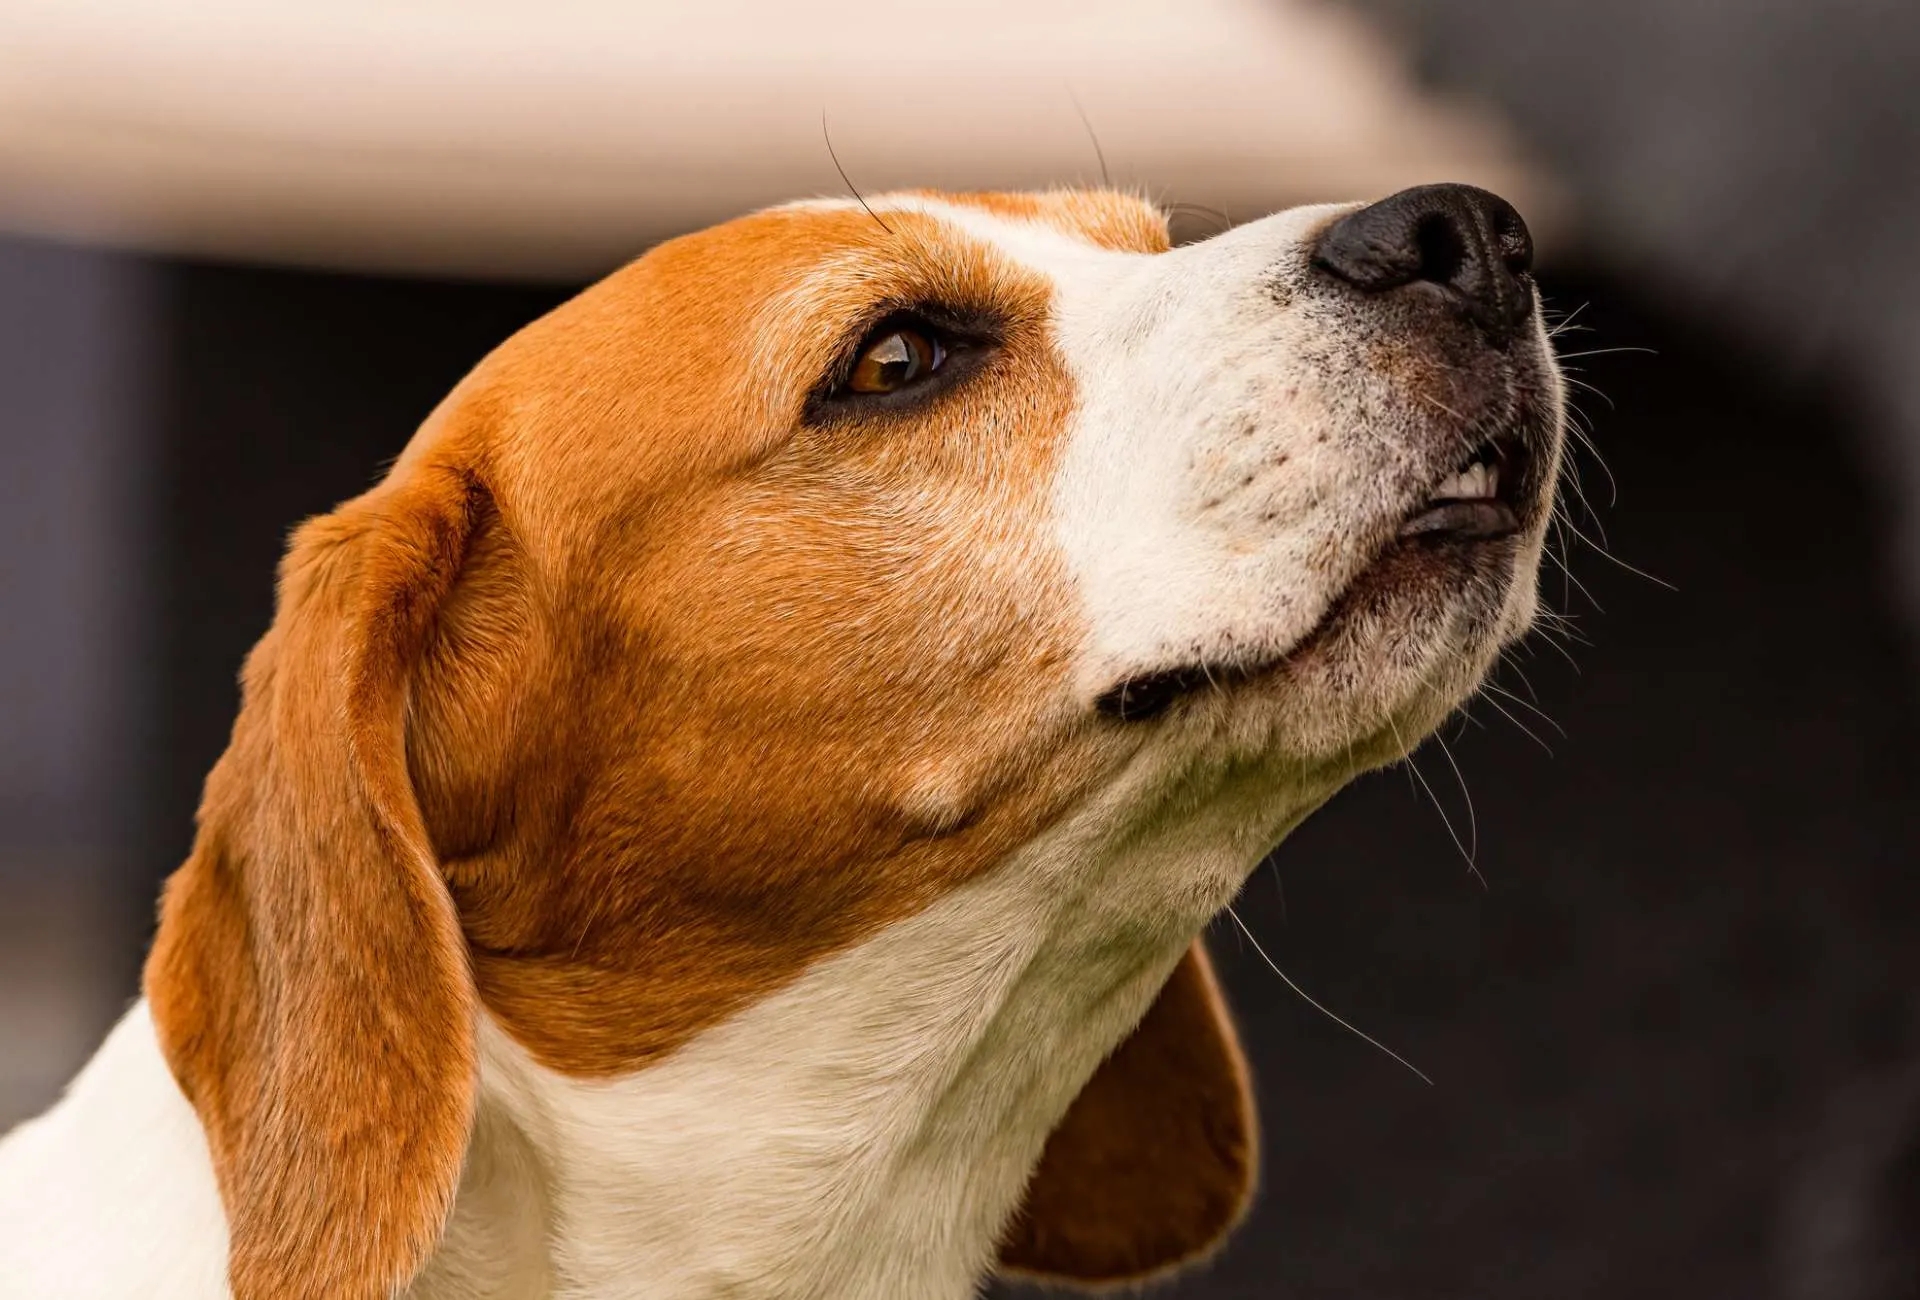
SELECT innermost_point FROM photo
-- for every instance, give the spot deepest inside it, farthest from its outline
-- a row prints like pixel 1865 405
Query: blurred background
pixel 1674 1037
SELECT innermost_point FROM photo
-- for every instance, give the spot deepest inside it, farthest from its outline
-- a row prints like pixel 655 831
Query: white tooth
pixel 1475 483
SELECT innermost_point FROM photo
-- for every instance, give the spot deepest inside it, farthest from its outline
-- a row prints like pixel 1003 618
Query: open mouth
pixel 1477 500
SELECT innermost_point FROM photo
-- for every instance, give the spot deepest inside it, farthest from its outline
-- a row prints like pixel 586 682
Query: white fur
pixel 864 1133
pixel 110 1195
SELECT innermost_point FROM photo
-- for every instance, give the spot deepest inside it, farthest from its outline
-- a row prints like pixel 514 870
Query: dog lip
pixel 1437 524
pixel 1147 695
pixel 1477 500
pixel 1464 521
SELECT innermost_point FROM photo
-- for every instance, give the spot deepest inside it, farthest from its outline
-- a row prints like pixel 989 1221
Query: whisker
pixel 1583 435
pixel 1416 774
pixel 1601 352
pixel 1431 400
pixel 1566 572
pixel 1225 222
pixel 1563 652
pixel 1532 708
pixel 1506 661
pixel 1572 376
pixel 1307 998
pixel 1565 323
pixel 845 179
pixel 1473 822
pixel 1565 626
pixel 1525 730
pixel 1105 180
pixel 1611 557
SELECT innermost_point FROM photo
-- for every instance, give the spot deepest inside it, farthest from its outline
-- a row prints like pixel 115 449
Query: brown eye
pixel 896 359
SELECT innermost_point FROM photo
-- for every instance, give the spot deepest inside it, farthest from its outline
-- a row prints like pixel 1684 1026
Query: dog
pixel 732 812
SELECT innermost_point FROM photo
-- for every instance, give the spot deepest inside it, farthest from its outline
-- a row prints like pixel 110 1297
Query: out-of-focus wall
pixel 499 137
pixel 76 340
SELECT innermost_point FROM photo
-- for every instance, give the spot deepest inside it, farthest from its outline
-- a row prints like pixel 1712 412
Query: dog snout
pixel 1469 244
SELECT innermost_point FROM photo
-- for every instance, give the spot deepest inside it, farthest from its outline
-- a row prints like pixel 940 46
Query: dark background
pixel 1672 1038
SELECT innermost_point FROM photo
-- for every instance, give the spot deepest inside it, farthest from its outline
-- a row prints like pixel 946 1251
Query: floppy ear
pixel 309 981
pixel 1155 1160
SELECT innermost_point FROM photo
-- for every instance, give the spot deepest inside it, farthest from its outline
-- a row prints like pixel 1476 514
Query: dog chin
pixel 1391 669
pixel 1402 646
pixel 1382 672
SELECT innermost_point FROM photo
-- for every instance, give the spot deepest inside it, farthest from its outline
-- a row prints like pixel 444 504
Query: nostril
pixel 1515 241
pixel 1439 247
pixel 1468 242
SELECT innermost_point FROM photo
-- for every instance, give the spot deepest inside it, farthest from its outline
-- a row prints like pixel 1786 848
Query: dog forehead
pixel 1057 220
pixel 1038 231
pixel 775 286
pixel 701 353
pixel 759 255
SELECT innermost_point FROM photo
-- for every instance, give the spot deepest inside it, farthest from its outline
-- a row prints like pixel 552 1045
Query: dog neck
pixel 867 1131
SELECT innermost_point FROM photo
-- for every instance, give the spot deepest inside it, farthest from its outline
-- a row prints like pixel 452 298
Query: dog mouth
pixel 1478 501
pixel 1472 508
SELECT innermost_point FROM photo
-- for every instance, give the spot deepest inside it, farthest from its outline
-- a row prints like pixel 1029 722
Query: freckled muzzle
pixel 1435 291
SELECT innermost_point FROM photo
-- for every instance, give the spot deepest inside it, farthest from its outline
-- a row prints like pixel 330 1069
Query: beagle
pixel 731 812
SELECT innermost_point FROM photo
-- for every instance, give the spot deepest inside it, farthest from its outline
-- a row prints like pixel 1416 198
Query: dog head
pixel 797 576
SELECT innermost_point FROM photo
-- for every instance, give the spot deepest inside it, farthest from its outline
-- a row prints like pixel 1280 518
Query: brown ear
pixel 1155 1160
pixel 309 981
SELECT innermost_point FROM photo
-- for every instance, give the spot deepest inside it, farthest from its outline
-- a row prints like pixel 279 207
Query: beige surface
pixel 557 138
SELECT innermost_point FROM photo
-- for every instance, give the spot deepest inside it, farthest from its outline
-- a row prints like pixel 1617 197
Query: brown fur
pixel 309 981
pixel 632 693
pixel 1155 1161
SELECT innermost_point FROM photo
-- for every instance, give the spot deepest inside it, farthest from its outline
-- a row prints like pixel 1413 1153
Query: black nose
pixel 1470 244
